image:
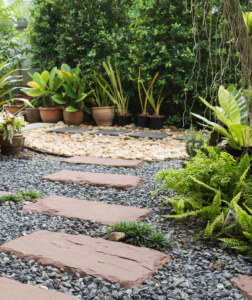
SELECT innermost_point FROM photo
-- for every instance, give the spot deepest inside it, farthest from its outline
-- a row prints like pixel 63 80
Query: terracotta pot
pixel 103 115
pixel 73 118
pixel 32 115
pixel 12 149
pixel 13 108
pixel 51 114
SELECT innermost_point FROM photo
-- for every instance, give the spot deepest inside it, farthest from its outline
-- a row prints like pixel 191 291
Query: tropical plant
pixel 140 234
pixel 194 142
pixel 245 219
pixel 44 86
pixel 115 92
pixel 9 125
pixel 100 94
pixel 74 90
pixel 233 113
pixel 143 105
pixel 150 97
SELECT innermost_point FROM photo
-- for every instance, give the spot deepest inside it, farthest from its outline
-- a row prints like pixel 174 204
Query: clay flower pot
pixel 51 114
pixel 12 149
pixel 73 118
pixel 103 115
pixel 13 108
pixel 32 115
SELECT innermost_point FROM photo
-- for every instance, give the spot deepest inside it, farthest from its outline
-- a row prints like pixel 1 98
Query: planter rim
pixel 30 108
pixel 15 105
pixel 102 107
pixel 130 115
pixel 143 116
pixel 155 117
pixel 50 108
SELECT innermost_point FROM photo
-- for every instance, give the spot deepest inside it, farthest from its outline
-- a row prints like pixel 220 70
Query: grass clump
pixel 21 196
pixel 141 234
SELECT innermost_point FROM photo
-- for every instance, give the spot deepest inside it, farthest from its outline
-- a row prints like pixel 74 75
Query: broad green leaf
pixel 58 81
pixel 34 85
pixel 87 110
pixel 59 99
pixel 34 93
pixel 51 77
pixel 72 109
pixel 66 68
pixel 44 77
pixel 241 102
pixel 67 77
pixel 70 91
pixel 218 113
pixel 243 133
pixel 229 105
pixel 247 16
pixel 81 97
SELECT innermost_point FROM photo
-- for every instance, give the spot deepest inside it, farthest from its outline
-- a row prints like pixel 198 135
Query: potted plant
pixel 143 118
pixel 116 95
pixel 156 119
pixel 73 96
pixel 11 137
pixel 32 113
pixel 103 114
pixel 46 85
pixel 233 113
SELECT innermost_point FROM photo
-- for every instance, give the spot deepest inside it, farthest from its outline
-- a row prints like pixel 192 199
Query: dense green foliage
pixel 209 187
pixel 157 35
pixel 141 234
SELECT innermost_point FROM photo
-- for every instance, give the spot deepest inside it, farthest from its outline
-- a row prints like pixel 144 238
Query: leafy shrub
pixel 156 35
pixel 209 187
pixel 141 234
pixel 194 142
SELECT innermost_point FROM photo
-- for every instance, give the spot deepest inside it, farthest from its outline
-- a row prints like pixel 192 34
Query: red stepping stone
pixel 120 182
pixel 112 261
pixel 13 290
pixel 244 284
pixel 89 160
pixel 4 193
pixel 87 210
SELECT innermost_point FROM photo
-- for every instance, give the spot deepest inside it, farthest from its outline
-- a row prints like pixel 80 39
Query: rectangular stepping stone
pixel 70 130
pixel 244 284
pixel 4 193
pixel 114 262
pixel 114 162
pixel 106 214
pixel 14 290
pixel 37 125
pixel 110 132
pixel 150 135
pixel 120 182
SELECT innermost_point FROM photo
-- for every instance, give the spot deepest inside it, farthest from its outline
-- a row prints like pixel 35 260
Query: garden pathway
pixel 122 147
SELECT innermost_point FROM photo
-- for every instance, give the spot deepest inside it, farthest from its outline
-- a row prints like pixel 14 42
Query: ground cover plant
pixel 21 196
pixel 141 234
pixel 209 186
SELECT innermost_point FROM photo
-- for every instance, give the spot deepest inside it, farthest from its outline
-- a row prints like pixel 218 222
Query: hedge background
pixel 154 34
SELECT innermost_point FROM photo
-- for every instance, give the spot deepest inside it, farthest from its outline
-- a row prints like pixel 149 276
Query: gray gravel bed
pixel 197 270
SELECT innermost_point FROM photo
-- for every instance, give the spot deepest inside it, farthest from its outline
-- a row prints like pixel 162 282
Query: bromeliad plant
pixel 115 92
pixel 233 113
pixel 9 125
pixel 75 88
pixel 44 85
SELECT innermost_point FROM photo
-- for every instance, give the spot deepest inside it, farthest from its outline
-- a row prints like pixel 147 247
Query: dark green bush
pixel 156 35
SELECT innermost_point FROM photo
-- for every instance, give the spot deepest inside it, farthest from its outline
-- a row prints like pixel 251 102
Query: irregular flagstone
pixel 244 284
pixel 112 261
pixel 121 182
pixel 89 160
pixel 13 290
pixel 4 193
pixel 106 214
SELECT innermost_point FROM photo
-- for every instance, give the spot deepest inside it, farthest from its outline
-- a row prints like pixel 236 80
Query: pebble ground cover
pixel 196 270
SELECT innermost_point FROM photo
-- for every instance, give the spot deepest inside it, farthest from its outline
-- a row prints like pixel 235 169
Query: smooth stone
pixel 121 182
pixel 116 236
pixel 244 284
pixel 150 135
pixel 89 160
pixel 14 290
pixel 70 130
pixel 113 262
pixel 106 214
